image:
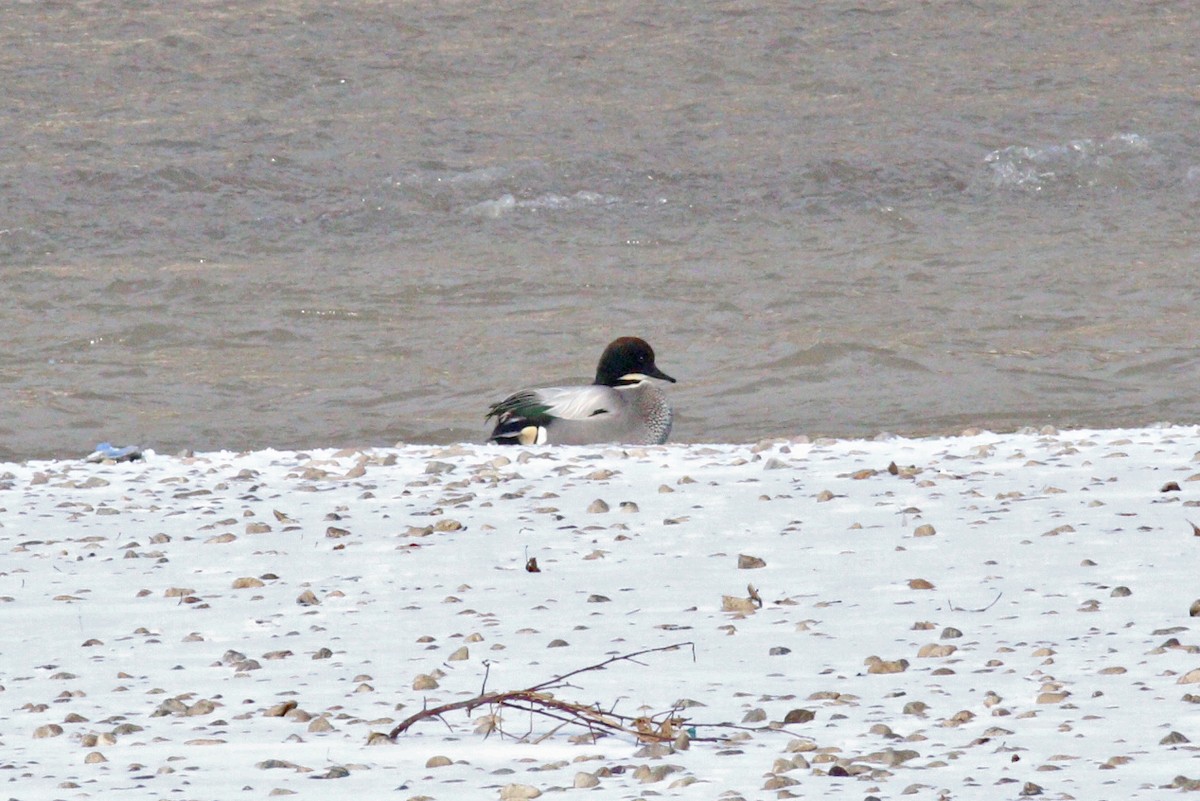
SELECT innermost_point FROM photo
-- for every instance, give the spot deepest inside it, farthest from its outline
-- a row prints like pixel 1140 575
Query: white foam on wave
pixel 508 203
pixel 1079 162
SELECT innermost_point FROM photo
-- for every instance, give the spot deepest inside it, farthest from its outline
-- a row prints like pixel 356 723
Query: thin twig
pixel 487 669
pixel 557 680
pixel 954 608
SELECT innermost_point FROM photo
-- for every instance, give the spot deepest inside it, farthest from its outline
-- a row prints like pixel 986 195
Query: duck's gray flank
pixel 623 405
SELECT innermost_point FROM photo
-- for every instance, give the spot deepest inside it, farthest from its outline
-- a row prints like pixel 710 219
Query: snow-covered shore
pixel 976 617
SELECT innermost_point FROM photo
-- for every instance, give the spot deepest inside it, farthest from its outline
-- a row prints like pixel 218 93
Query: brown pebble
pixel 959 718
pixel 201 707
pixel 280 709
pixel 936 651
pixel 924 531
pixel 1191 677
pixel 307 598
pixel 747 562
pixel 585 780
pixel 319 725
pixel 881 666
pixel 799 716
pixel 424 682
pixel 48 730
pixel 732 603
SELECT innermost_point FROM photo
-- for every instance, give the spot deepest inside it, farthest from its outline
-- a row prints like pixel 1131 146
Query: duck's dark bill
pixel 654 372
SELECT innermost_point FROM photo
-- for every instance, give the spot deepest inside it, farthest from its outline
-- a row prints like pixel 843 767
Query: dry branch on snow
pixel 539 699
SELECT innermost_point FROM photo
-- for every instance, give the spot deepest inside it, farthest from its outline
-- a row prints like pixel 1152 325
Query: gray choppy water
pixel 299 224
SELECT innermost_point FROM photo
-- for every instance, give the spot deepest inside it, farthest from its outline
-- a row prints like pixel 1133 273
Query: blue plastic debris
pixel 106 451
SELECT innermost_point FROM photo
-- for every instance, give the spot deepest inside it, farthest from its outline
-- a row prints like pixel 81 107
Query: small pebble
pixel 424 682
pixel 48 730
pixel 936 651
pixel 799 716
pixel 320 725
pixel 585 780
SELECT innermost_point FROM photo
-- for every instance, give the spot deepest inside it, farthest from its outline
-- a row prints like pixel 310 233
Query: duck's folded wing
pixel 563 403
pixel 579 403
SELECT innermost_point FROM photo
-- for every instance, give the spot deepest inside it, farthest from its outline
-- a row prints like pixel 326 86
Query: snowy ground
pixel 1031 593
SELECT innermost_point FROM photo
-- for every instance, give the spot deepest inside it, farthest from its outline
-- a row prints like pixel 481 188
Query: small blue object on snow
pixel 106 451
